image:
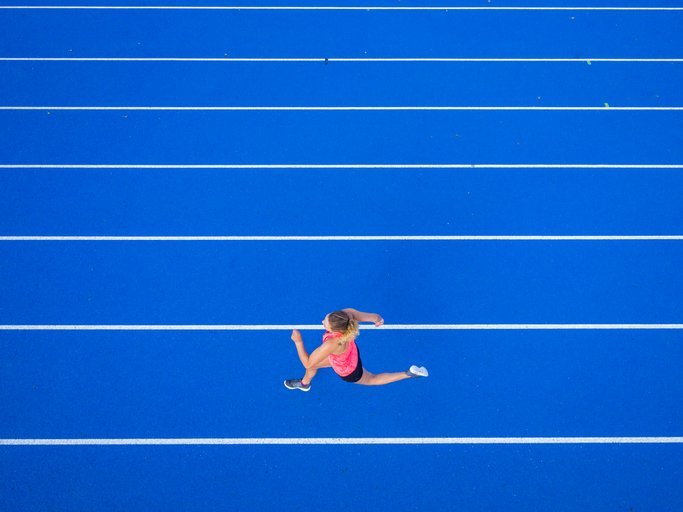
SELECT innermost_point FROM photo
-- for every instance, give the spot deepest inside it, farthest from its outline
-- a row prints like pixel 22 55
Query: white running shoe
pixel 418 371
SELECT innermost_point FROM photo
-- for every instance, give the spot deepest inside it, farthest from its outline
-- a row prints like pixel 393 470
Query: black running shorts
pixel 356 374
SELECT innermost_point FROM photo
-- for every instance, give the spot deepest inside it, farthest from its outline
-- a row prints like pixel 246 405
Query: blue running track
pixel 144 374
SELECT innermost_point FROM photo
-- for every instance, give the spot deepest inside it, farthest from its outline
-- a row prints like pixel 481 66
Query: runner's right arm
pixel 359 316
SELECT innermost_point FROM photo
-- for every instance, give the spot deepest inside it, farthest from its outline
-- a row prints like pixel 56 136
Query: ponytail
pixel 341 321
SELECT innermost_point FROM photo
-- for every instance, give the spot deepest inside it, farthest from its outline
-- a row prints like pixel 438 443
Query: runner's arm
pixel 359 316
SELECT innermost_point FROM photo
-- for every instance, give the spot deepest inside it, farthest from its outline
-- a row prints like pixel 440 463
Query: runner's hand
pixel 379 321
pixel 296 336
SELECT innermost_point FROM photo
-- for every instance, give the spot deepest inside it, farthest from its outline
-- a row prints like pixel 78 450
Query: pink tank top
pixel 343 364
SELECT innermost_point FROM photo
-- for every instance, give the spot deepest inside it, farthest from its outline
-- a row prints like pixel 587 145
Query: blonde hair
pixel 341 321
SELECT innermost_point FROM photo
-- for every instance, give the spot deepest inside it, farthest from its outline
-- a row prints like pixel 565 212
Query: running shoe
pixel 418 371
pixel 296 384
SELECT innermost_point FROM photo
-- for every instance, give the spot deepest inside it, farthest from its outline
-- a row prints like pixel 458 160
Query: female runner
pixel 339 351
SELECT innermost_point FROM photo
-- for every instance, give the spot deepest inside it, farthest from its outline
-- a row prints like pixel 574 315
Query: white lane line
pixel 342 441
pixel 331 8
pixel 323 59
pixel 317 327
pixel 338 238
pixel 341 166
pixel 604 108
